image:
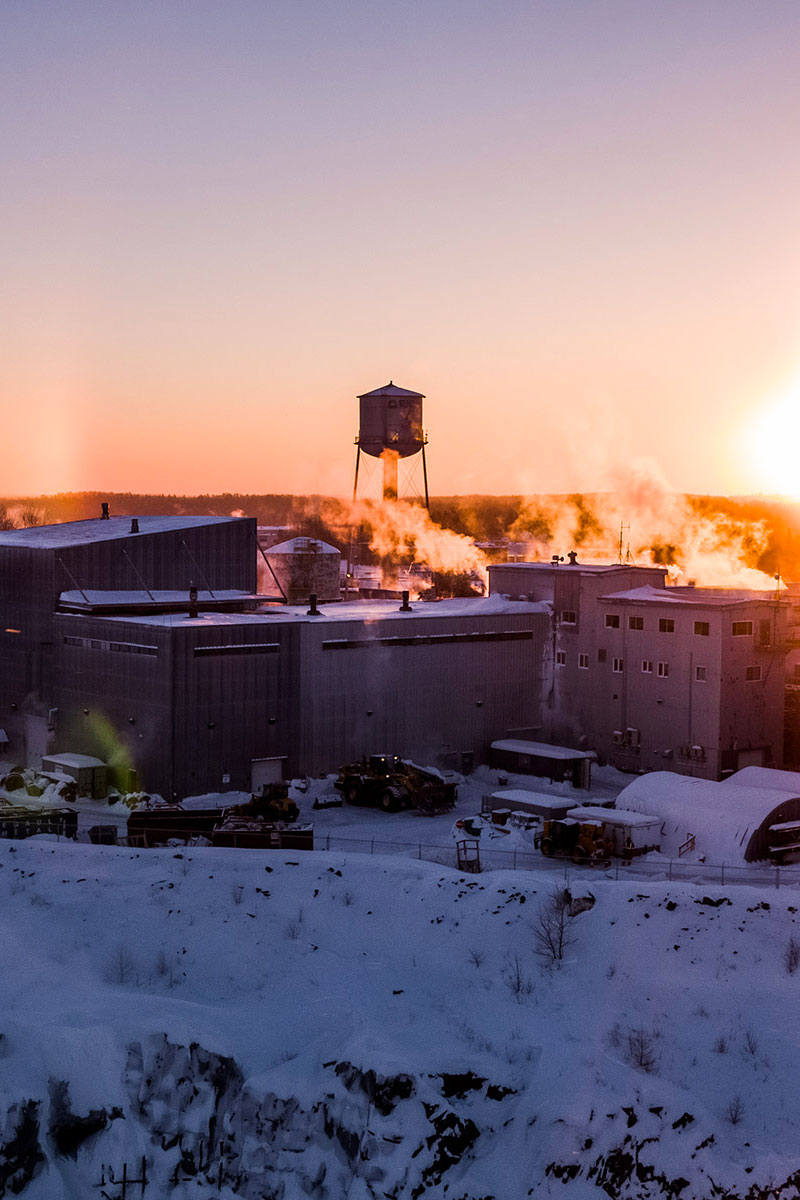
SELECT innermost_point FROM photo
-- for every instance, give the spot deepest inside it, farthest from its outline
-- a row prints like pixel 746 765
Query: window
pixel 569 617
pixel 612 621
pixel 617 665
pixel 601 656
pixel 663 670
pixel 700 674
pixel 647 667
pixel 583 662
pixel 635 622
pixel 742 628
pixel 752 673
pixel 764 633
pixel 701 628
pixel 666 625
pixel 561 658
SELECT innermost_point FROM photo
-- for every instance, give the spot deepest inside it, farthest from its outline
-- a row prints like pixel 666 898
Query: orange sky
pixel 574 227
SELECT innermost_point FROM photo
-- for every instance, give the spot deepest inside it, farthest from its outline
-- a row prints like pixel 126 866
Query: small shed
pixel 536 803
pixel 557 763
pixel 90 774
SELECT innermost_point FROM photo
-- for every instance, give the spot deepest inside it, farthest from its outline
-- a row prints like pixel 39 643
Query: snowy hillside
pixel 277 1025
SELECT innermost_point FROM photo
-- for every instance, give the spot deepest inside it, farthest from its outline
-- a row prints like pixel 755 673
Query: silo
pixel 303 566
pixel 390 428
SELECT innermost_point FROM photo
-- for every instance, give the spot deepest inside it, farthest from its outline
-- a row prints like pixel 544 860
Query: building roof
pixel 722 816
pixel 575 568
pixel 302 545
pixel 541 750
pixel 365 612
pixel 691 597
pixel 99 529
pixel 391 389
pixel 97 601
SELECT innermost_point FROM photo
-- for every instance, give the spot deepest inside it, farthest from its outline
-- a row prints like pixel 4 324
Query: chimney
pixel 134 524
pixel 192 601
pixel 313 611
pixel 405 606
pixel 104 511
pixel 573 557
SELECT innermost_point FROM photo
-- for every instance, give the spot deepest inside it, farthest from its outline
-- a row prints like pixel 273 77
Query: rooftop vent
pixel 405 606
pixel 573 557
pixel 134 524
pixel 104 511
pixel 313 611
pixel 192 601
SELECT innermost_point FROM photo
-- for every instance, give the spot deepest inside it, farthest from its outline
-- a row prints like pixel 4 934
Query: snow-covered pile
pixel 269 1024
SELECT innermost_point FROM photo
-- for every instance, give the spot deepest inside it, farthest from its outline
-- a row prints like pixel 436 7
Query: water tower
pixel 390 428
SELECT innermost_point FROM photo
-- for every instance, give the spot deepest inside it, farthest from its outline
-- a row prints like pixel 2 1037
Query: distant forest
pixel 767 531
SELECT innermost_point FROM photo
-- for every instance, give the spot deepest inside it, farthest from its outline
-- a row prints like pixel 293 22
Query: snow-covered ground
pixel 269 1024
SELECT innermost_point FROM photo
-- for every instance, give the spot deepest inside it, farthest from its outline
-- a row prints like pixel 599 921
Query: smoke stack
pixel 134 524
pixel 573 557
pixel 104 511
pixel 405 606
pixel 192 601
pixel 313 611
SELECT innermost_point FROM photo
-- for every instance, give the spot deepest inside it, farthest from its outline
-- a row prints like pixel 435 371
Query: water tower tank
pixel 390 418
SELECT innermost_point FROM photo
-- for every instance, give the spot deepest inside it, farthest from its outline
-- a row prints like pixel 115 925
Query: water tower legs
pixel 390 459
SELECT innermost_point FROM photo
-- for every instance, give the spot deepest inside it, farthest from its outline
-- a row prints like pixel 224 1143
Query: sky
pixel 572 224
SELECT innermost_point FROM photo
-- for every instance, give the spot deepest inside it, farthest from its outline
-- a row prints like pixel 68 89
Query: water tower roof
pixel 391 389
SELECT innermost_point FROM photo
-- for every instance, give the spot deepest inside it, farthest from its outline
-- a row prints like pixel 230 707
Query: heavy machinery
pixel 172 822
pixel 582 841
pixel 17 821
pixel 389 782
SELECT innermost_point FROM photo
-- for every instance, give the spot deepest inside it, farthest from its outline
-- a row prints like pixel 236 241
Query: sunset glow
pixel 771 443
pixel 573 227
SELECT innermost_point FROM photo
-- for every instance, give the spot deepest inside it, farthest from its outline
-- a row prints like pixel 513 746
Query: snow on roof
pixel 541 749
pixel 73 760
pixel 94 597
pixel 613 816
pixel 767 777
pixel 358 611
pixel 98 529
pixel 691 596
pixel 579 568
pixel 513 796
pixel 302 545
pixel 721 816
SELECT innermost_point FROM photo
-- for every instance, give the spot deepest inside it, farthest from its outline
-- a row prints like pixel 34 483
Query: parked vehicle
pixel 582 841
pixel 172 822
pixel 389 782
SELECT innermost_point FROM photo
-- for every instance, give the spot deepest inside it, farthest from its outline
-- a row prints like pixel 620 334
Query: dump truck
pixel 172 822
pixel 389 782
pixel 17 821
pixel 582 841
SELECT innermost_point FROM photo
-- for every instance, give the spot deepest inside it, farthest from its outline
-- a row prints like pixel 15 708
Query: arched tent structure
pixel 766 777
pixel 730 821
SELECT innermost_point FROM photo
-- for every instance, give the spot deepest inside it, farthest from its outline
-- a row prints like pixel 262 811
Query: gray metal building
pixel 105 653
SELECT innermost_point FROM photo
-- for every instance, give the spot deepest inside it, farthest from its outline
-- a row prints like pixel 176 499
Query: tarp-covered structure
pixel 730 821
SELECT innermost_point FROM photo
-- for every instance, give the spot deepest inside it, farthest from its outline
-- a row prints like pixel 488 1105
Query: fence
pixel 671 870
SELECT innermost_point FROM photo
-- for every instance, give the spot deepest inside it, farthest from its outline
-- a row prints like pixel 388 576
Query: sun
pixel 772 445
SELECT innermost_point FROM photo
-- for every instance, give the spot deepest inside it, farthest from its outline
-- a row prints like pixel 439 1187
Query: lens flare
pixel 771 445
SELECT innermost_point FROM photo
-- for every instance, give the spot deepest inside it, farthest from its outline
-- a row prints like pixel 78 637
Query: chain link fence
pixel 670 870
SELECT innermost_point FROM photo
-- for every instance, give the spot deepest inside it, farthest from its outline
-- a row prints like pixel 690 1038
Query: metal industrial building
pixel 142 641
pixel 652 677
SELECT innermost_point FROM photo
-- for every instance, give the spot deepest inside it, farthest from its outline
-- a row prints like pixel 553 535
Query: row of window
pixel 751 674
pixel 667 625
pixel 430 639
pixel 114 647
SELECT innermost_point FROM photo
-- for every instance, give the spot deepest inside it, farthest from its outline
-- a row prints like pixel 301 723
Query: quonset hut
pixel 743 818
